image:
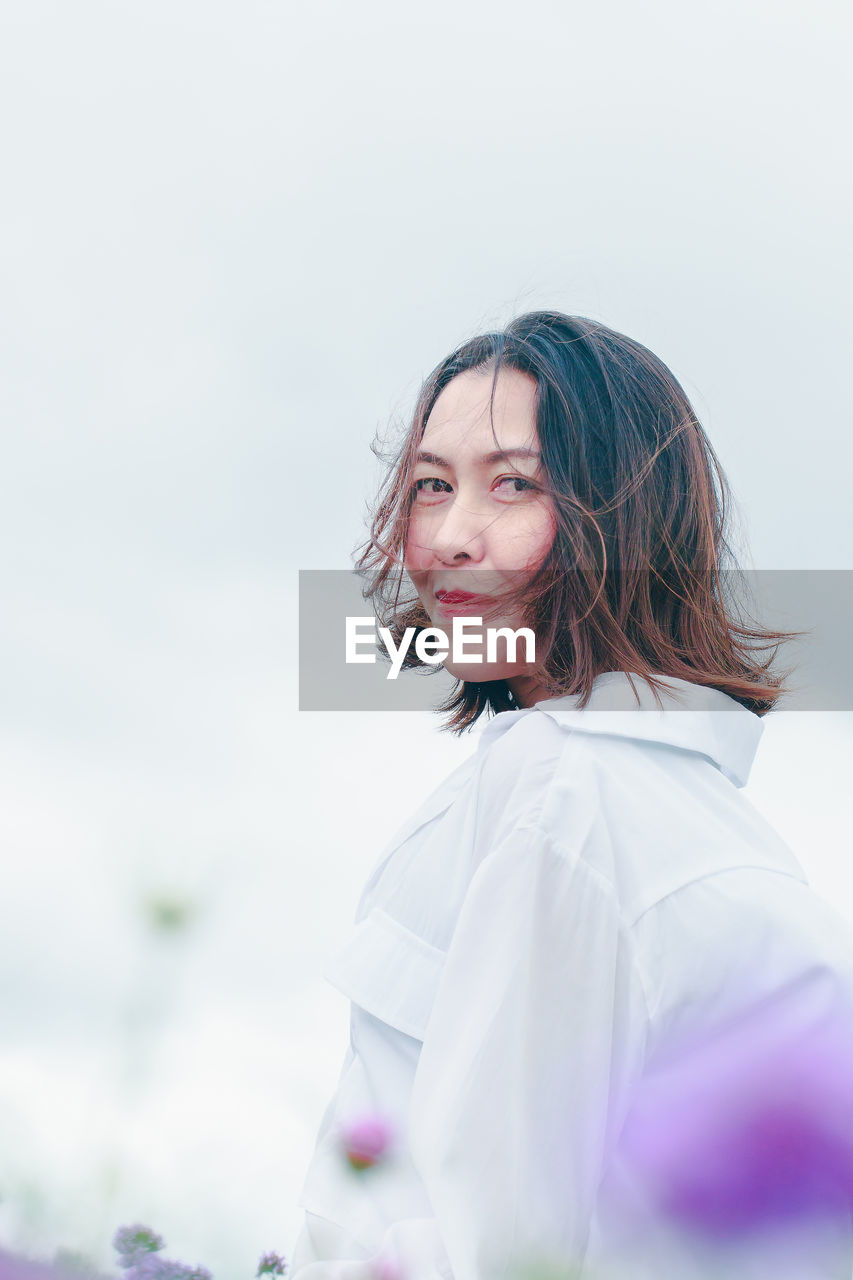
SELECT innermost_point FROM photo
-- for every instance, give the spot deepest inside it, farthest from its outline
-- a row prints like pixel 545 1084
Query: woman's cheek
pixel 535 540
pixel 415 551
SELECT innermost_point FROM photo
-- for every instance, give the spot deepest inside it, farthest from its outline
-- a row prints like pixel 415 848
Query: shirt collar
pixel 689 716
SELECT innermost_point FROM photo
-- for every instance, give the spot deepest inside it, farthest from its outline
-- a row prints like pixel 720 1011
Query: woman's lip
pixel 457 597
pixel 453 603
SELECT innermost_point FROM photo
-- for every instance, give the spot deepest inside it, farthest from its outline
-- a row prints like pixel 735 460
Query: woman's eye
pixel 430 488
pixel 508 485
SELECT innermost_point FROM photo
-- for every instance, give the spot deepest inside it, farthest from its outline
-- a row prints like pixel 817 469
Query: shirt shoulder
pixel 649 816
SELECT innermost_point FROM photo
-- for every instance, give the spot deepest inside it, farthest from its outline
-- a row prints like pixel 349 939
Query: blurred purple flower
pixel 133 1243
pixel 139 1248
pixel 749 1128
pixel 271 1264
pixel 153 1267
pixel 365 1140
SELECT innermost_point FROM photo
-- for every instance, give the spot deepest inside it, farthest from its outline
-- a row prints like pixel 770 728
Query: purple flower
pixel 134 1242
pixel 271 1264
pixel 139 1253
pixel 365 1140
pixel 153 1267
pixel 181 1271
pixel 749 1128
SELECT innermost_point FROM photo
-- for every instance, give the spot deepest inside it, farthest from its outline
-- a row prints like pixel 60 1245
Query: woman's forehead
pixel 464 417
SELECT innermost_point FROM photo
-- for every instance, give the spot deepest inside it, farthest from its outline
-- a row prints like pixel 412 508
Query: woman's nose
pixel 459 537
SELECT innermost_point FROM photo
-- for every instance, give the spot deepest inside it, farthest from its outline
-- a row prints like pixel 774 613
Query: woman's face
pixel 480 521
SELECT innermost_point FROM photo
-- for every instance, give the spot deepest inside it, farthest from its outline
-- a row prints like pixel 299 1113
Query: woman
pixel 591 884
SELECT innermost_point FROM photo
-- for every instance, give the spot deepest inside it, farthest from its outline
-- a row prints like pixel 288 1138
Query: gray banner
pixel 818 602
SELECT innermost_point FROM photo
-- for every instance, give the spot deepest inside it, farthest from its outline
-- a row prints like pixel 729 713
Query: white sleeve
pixel 536 1034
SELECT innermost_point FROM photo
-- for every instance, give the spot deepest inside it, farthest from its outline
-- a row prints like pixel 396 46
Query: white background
pixel 234 239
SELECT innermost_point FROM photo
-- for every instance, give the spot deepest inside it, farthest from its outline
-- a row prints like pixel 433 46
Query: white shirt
pixel 586 884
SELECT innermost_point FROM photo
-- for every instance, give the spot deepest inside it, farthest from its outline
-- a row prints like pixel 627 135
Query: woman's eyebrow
pixel 497 456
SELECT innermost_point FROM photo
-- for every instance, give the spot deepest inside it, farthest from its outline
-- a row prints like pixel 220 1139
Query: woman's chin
pixel 485 672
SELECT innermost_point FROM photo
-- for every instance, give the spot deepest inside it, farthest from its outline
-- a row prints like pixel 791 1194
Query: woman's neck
pixel 527 690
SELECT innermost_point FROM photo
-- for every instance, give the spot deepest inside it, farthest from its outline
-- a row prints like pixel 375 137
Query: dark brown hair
pixel 639 577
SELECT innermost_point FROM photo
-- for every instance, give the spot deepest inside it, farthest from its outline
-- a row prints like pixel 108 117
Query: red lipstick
pixel 458 603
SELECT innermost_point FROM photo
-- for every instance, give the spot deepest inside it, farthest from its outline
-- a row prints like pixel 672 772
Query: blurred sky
pixel 234 239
